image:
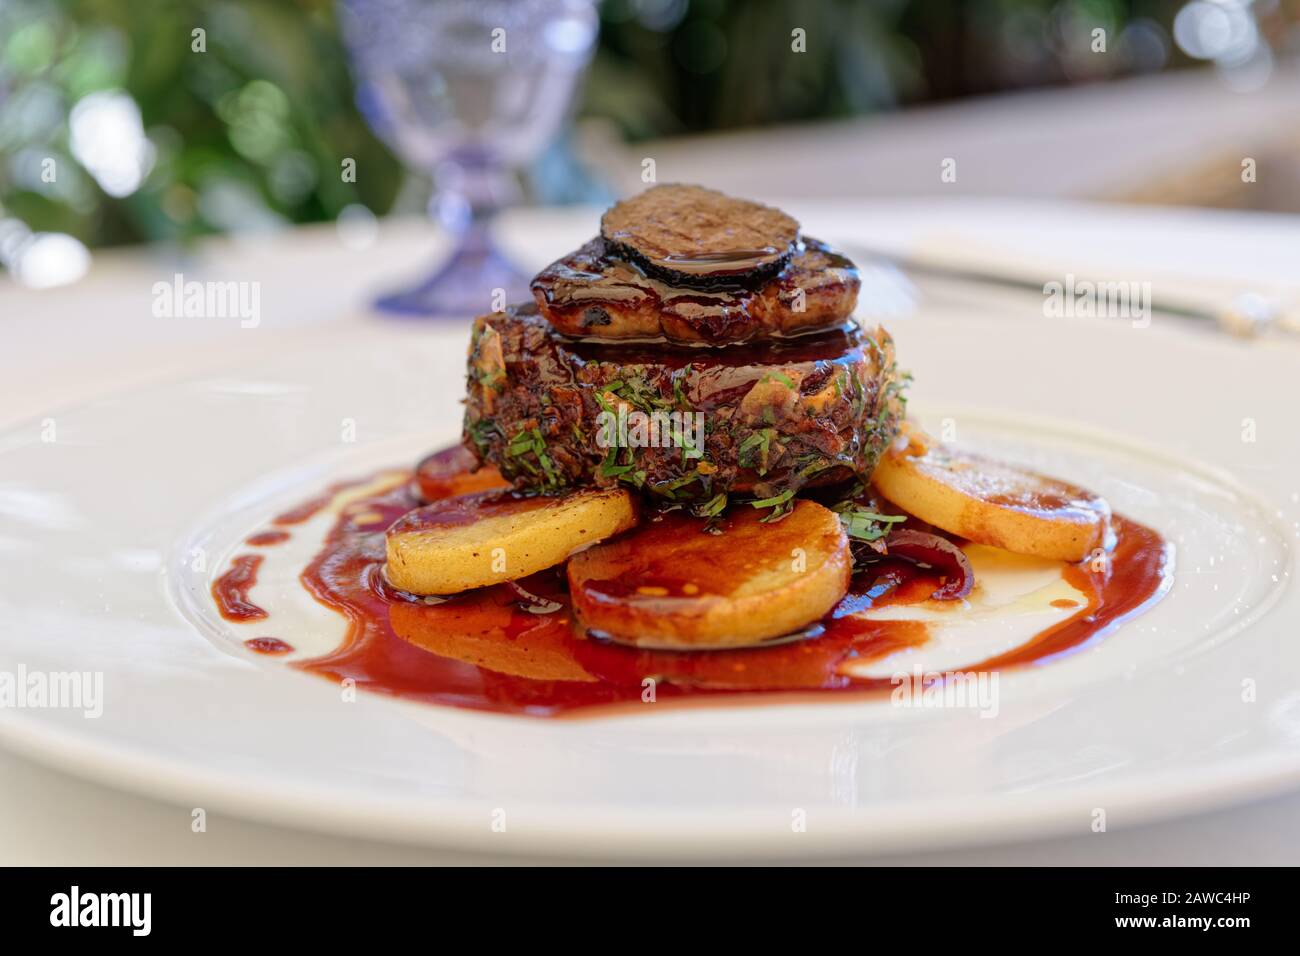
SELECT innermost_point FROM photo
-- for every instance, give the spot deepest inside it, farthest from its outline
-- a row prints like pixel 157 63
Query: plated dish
pixel 686 472
pixel 111 538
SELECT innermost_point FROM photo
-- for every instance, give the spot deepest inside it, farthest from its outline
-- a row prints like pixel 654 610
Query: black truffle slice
pixel 697 237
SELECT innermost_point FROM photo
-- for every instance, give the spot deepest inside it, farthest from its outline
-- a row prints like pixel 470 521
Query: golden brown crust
pixel 991 502
pixel 589 294
pixel 489 537
pixel 671 584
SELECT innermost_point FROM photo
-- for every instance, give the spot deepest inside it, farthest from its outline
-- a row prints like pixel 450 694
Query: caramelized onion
pixel 922 547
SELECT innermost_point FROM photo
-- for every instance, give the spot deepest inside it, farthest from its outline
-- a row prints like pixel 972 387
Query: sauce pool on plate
pixel 490 650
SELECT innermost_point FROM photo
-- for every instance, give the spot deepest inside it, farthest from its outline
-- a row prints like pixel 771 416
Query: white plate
pixel 98 532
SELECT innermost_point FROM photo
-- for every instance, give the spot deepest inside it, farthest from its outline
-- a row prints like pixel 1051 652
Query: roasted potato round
pixel 672 584
pixel 489 537
pixel 454 471
pixel 990 502
pixel 482 629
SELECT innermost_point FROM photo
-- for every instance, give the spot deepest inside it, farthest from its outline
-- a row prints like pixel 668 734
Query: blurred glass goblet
pixel 469 91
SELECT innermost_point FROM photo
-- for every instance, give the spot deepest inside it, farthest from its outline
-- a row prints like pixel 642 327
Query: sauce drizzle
pixel 268 645
pixel 484 650
pixel 314 506
pixel 264 539
pixel 230 591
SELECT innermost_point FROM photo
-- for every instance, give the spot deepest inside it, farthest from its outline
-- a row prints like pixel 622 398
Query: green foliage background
pixel 260 116
pixel 258 125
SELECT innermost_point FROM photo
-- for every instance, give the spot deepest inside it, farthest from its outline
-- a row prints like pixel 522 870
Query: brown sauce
pixel 840 345
pixel 230 591
pixel 268 645
pixel 1132 578
pixel 742 261
pixel 461 510
pixel 673 556
pixel 264 539
pixel 484 650
pixel 314 506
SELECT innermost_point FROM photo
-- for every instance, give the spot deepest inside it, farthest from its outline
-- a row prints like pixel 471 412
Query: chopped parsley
pixel 864 524
pixel 530 440
pixel 753 451
pixel 781 505
pixel 711 508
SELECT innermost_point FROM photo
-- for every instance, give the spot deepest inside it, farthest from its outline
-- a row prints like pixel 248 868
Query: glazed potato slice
pixel 454 471
pixel 493 536
pixel 990 502
pixel 482 628
pixel 670 584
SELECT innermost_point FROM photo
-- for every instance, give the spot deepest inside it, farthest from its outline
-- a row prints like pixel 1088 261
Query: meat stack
pixel 699 348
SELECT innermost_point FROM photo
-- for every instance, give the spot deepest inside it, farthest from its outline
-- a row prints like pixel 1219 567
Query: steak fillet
pixel 765 421
pixel 590 293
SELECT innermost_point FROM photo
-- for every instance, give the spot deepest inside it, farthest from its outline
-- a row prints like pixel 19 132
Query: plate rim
pixel 598 833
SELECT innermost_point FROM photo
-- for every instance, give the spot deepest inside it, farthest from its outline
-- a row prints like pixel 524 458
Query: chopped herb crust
pixel 774 418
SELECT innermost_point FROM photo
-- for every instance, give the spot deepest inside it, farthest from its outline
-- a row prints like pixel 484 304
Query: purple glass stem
pixel 471 281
